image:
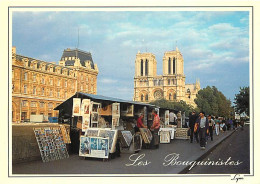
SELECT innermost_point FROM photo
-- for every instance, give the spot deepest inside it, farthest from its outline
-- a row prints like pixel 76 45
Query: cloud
pixel 107 81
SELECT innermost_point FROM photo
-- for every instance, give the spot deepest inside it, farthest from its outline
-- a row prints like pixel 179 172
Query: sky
pixel 214 44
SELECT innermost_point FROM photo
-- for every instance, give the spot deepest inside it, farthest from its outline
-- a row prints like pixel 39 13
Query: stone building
pixel 39 86
pixel 148 86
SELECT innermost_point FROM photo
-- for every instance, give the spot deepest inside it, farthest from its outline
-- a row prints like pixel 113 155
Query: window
pixel 24 103
pixel 34 90
pixel 42 91
pixel 142 97
pixel 142 67
pixel 173 66
pixel 25 76
pixel 34 77
pixel 58 93
pixel 41 104
pixel 169 66
pixel 33 113
pixel 51 81
pixel 50 105
pixel 43 80
pixel 51 93
pixel 175 96
pixel 146 67
pixel 43 67
pixel 66 83
pixel 169 81
pixel 170 96
pixel 33 104
pixel 146 97
pixel 173 81
pixel 25 89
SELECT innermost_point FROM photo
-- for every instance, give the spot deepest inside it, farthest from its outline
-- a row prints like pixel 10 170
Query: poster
pixel 130 110
pixel 137 141
pixel 95 114
pixel 115 121
pixel 167 117
pixel 85 122
pixel 51 143
pixel 91 132
pixel 97 147
pixel 85 107
pixel 116 109
pixel 127 135
pixel 164 137
pixel 76 107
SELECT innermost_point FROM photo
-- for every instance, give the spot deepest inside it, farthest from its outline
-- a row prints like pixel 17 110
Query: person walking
pixel 203 129
pixel 192 120
pixel 211 126
pixel 217 126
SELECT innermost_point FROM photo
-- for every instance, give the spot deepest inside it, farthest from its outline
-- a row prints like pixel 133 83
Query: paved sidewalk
pixel 151 161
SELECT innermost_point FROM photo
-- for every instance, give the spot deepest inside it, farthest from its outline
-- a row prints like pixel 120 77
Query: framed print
pixel 85 107
pixel 76 107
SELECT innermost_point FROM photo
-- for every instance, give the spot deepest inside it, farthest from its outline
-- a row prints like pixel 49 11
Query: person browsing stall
pixel 140 123
pixel 155 129
pixel 203 129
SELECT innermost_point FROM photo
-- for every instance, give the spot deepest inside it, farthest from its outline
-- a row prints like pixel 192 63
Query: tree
pixel 242 101
pixel 213 102
pixel 178 106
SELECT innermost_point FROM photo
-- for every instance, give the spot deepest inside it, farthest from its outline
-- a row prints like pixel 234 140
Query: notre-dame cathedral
pixel 148 86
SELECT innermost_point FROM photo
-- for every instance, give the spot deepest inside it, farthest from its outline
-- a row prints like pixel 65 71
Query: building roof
pixel 82 55
pixel 99 98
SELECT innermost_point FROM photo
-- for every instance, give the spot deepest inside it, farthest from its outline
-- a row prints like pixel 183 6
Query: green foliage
pixel 178 106
pixel 242 101
pixel 213 102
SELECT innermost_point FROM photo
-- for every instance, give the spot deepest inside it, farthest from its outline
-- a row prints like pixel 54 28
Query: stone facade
pixel 148 86
pixel 39 86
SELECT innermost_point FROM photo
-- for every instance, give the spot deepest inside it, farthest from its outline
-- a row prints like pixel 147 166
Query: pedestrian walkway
pixel 168 159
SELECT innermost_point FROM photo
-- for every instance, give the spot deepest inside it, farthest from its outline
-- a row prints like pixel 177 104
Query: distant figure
pixel 211 126
pixel 217 125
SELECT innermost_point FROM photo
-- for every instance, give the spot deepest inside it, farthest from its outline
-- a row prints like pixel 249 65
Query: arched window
pixel 146 67
pixel 170 96
pixel 169 66
pixel 142 67
pixel 142 97
pixel 146 97
pixel 173 66
pixel 175 96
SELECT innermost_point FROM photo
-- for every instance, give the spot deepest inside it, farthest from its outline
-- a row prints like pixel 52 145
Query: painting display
pixel 165 137
pixel 115 121
pixel 51 143
pixel 116 109
pixel 65 134
pixel 167 117
pixel 91 132
pixel 95 114
pixel 85 107
pixel 146 135
pixel 97 147
pixel 76 107
pixel 85 122
pixel 127 135
pixel 130 110
pixel 137 142
pixel 182 133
